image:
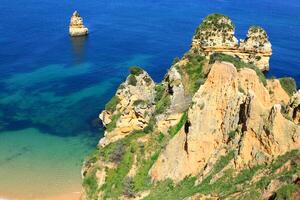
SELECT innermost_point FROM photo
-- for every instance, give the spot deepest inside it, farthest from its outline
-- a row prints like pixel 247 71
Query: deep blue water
pixel 58 85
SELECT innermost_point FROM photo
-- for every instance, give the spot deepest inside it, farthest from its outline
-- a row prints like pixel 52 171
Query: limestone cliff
pixel 77 27
pixel 131 108
pixel 214 128
pixel 216 34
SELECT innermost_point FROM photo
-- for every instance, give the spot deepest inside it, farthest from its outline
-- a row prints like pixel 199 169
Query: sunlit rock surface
pixel 77 27
pixel 215 127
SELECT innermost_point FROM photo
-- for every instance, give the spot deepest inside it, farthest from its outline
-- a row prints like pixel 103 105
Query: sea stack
pixel 77 27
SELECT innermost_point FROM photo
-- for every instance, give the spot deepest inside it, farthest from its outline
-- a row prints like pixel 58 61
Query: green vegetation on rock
pixel 113 186
pixel 288 84
pixel 134 70
pixel 122 153
pixel 163 104
pixel 257 29
pixel 215 22
pixel 231 135
pixel 112 125
pixel 112 104
pixel 132 80
pixel 114 183
pixel 139 102
pixel 238 63
pixel 246 184
pixel 192 72
pixel 150 127
pixel 168 190
pixel 222 180
pixel 174 129
pixel 162 99
pixel 90 184
pixel 286 192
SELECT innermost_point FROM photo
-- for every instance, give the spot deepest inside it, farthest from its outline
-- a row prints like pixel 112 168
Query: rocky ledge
pixel 214 128
pixel 77 27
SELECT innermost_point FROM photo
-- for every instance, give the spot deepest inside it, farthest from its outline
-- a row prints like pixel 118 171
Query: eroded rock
pixel 216 35
pixel 133 108
pixel 77 27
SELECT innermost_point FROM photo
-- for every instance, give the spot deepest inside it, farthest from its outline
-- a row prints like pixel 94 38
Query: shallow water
pixel 52 87
pixel 37 160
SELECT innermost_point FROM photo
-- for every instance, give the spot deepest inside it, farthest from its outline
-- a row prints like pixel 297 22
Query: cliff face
pixel 215 127
pixel 130 109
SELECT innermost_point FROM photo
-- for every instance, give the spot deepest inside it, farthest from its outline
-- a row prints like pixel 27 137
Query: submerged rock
pixel 77 27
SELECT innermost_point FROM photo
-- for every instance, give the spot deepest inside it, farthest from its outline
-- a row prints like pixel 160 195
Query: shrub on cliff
pixel 112 125
pixel 214 22
pixel 257 29
pixel 132 80
pixel 163 104
pixel 112 104
pixel 288 84
pixel 134 70
pixel 159 92
pixel 118 152
pixel 90 184
pixel 162 99
pixel 192 72
pixel 238 63
pixel 194 69
pixel 174 129
pixel 128 187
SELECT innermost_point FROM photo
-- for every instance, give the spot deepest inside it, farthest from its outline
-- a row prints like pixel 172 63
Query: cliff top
pixel 214 22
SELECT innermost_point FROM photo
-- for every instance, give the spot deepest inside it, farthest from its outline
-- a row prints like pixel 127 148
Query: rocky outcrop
pixel 293 108
pixel 219 108
pixel 276 92
pixel 132 109
pixel 214 128
pixel 77 27
pixel 206 138
pixel 216 34
pixel 256 48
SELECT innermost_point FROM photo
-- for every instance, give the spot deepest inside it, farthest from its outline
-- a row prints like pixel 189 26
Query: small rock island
pixel 77 27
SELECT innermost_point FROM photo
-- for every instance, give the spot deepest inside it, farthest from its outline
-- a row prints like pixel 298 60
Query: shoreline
pixel 60 196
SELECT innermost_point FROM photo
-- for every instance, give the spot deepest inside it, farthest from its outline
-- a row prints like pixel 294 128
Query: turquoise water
pixel 52 87
pixel 37 164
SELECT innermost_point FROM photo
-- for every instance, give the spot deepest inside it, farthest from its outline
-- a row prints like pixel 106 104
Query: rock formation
pixel 131 107
pixel 77 27
pixel 214 128
pixel 216 34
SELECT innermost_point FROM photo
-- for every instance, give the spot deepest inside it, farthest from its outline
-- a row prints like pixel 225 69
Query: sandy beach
pixel 63 196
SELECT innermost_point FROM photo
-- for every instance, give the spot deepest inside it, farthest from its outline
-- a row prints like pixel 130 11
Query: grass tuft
pixel 112 104
pixel 238 63
pixel 288 84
